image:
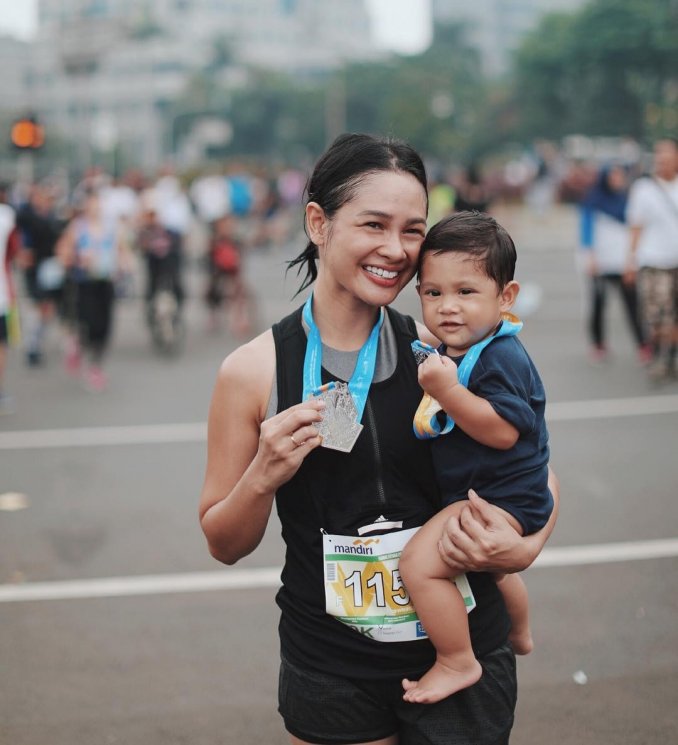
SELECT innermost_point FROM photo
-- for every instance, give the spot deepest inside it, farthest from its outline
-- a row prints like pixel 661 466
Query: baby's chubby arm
pixel 473 414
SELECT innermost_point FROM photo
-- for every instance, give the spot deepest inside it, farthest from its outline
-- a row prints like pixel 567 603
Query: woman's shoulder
pixel 248 371
pixel 248 358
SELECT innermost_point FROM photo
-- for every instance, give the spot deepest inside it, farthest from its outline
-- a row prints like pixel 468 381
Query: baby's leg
pixel 441 609
pixel 514 591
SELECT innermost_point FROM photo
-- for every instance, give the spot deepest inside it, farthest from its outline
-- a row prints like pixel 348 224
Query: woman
pixel 366 219
pixel 96 253
pixel 604 243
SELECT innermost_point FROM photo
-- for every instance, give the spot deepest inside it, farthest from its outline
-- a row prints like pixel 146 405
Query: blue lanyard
pixel 359 384
pixel 434 428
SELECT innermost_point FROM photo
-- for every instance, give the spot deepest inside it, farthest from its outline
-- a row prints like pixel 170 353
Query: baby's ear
pixel 509 295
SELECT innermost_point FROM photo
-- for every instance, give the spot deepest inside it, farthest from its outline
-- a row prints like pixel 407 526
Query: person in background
pixel 161 249
pixel 604 238
pixel 342 364
pixel 441 199
pixel 471 191
pixel 652 214
pixel 9 248
pixel 40 231
pixel 95 252
pixel 226 287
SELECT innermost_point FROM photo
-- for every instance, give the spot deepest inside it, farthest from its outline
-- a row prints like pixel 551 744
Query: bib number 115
pixel 397 592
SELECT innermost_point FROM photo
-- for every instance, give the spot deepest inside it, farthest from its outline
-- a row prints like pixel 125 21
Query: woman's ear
pixel 316 223
pixel 508 296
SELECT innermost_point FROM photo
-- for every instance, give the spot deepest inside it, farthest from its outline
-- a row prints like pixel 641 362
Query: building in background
pixel 496 27
pixel 14 63
pixel 103 73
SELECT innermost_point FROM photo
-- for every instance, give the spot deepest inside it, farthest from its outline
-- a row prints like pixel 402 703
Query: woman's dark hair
pixel 338 173
pixel 478 235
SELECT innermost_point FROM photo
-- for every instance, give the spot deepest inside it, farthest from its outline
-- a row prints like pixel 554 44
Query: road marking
pixel 269 577
pixel 196 432
pixel 603 553
pixel 144 434
pixel 152 584
pixel 13 501
pixel 564 411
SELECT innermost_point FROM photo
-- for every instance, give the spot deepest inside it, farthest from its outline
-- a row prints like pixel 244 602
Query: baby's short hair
pixel 478 235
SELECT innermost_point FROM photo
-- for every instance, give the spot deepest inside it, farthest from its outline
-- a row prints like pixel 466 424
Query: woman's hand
pixel 285 440
pixel 591 264
pixel 481 539
pixel 249 457
pixel 630 272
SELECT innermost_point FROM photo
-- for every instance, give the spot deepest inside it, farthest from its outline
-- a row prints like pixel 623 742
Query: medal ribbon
pixel 359 384
pixel 432 427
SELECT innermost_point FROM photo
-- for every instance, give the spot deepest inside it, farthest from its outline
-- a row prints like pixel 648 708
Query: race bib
pixel 364 590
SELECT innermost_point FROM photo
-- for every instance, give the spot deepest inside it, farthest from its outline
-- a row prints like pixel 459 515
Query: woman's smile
pixel 384 277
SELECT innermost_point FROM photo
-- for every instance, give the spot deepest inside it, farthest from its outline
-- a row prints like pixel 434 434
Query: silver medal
pixel 421 351
pixel 339 427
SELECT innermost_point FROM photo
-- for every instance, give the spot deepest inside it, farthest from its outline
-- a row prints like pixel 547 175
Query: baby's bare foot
pixel 440 682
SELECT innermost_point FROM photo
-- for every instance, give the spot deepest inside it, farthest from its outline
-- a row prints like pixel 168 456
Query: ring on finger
pixel 296 444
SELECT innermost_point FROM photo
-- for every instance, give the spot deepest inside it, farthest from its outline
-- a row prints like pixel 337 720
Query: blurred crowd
pixel 71 252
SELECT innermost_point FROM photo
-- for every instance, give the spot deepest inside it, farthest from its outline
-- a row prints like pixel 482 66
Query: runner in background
pixel 40 231
pixel 94 250
pixel 9 248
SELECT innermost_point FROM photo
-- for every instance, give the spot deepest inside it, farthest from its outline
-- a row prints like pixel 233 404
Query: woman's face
pixel 369 249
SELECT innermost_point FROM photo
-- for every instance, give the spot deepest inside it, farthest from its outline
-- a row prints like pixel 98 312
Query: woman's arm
pixel 65 246
pixel 631 266
pixel 481 538
pixel 249 458
pixel 123 251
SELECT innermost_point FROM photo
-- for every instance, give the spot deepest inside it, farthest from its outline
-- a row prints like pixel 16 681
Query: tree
pixel 609 69
pixel 434 100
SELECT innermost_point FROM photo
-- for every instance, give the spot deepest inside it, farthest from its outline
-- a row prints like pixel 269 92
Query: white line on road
pixel 152 584
pixel 564 411
pixel 247 579
pixel 143 434
pixel 195 432
pixel 603 553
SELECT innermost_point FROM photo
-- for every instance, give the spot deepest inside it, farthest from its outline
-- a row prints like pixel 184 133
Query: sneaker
pixel 598 355
pixel 73 361
pixel 645 354
pixel 95 379
pixel 33 358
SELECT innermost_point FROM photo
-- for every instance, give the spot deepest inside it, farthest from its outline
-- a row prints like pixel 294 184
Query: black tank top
pixel 388 474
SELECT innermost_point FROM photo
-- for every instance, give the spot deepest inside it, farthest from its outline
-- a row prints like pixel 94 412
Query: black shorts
pixel 329 710
pixel 35 291
pixel 4 330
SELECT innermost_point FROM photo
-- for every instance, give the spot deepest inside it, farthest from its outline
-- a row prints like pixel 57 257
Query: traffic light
pixel 27 134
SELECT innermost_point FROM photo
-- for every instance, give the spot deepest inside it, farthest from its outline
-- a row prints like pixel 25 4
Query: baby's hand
pixel 437 374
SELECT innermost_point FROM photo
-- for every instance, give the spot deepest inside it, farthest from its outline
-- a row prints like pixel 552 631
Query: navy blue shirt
pixel 514 479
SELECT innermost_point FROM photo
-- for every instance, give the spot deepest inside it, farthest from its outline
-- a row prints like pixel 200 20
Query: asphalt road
pixel 108 486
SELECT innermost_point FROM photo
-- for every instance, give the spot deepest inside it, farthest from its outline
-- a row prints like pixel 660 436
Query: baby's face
pixel 460 304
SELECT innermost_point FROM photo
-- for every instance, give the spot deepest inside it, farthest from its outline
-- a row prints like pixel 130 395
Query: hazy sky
pixel 401 25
